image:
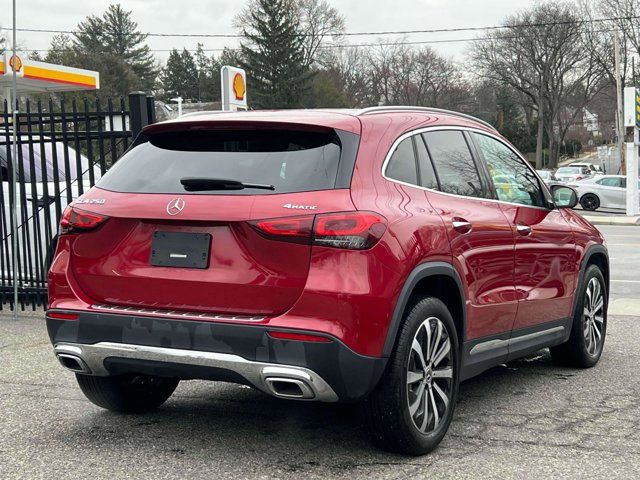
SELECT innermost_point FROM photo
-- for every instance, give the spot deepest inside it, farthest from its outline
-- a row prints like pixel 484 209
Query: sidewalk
pixel 613 220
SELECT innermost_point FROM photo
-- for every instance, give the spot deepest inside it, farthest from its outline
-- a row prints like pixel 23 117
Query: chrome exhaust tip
pixel 289 388
pixel 73 363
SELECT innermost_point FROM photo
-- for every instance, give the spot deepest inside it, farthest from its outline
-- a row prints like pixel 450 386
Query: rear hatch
pixel 186 212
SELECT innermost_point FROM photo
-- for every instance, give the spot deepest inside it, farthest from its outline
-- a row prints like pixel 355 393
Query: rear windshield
pixel 569 170
pixel 291 161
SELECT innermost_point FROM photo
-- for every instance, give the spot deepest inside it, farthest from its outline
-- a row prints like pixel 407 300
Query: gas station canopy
pixel 41 77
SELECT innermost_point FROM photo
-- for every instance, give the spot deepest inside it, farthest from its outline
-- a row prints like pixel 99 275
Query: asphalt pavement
pixel 524 420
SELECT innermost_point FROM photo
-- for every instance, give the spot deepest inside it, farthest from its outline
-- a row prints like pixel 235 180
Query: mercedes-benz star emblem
pixel 175 206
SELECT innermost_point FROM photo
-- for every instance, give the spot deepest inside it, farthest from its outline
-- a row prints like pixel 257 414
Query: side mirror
pixel 563 196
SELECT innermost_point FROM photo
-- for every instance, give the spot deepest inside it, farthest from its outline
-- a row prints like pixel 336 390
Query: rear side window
pixel 402 164
pixel 291 161
pixel 453 163
pixel 427 175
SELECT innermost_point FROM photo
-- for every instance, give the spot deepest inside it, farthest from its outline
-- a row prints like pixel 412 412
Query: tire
pixel 389 421
pixel 127 393
pixel 590 201
pixel 589 328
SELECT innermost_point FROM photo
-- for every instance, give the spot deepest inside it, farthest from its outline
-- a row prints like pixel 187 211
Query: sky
pixel 216 16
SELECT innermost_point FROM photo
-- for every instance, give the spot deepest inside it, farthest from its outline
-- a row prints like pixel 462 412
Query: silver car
pixel 572 174
pixel 606 191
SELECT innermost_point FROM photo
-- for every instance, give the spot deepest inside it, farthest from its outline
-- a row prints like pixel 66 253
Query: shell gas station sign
pixel 234 88
pixel 41 77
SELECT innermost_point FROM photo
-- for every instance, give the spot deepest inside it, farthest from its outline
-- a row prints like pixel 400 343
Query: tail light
pixel 579 177
pixel 348 230
pixel 74 219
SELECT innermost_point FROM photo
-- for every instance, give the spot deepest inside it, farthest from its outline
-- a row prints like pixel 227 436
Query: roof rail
pixel 387 108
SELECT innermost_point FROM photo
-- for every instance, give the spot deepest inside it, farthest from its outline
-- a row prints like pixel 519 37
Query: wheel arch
pixel 438 279
pixel 594 255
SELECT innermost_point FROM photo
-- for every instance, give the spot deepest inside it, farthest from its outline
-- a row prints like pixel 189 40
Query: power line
pixel 339 46
pixel 348 34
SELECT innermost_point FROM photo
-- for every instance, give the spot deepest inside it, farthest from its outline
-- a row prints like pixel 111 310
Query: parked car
pixel 604 191
pixel 287 251
pixel 45 166
pixel 593 168
pixel 547 176
pixel 572 174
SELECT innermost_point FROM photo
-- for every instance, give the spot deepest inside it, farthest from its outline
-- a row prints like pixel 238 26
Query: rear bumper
pixel 111 344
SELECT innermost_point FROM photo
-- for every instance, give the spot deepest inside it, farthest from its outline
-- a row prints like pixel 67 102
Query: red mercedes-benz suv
pixel 381 255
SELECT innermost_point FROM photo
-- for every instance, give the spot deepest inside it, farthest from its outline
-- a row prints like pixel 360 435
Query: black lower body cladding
pixel 351 376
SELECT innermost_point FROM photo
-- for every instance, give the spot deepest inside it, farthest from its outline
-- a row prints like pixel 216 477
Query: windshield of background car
pixel 290 160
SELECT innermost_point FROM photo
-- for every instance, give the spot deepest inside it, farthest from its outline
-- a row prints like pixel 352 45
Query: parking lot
pixel 527 419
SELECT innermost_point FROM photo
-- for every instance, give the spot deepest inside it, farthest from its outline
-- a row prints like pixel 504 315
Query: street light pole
pixel 14 157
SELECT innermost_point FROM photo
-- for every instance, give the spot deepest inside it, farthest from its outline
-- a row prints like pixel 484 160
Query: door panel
pixel 484 253
pixel 544 272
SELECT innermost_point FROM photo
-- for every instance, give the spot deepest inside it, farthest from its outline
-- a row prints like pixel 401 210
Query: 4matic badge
pixel 300 207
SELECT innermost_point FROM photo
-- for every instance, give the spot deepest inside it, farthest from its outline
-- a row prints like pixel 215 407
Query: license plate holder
pixel 180 249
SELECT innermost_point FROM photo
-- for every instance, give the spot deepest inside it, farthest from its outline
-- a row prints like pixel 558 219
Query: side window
pixel 454 165
pixel 611 182
pixel 427 174
pixel 402 164
pixel 514 181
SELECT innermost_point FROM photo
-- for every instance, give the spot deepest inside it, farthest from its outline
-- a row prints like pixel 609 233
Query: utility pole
pixel 619 113
pixel 14 169
pixel 631 123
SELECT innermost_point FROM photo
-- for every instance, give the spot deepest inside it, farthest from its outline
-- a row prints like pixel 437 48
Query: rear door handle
pixel 523 229
pixel 461 225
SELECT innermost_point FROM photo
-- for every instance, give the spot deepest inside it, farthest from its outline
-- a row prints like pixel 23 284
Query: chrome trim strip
pixel 497 343
pixel 395 108
pixel 256 373
pixel 175 313
pixel 466 129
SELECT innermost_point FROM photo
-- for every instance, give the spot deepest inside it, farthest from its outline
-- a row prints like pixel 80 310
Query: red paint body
pixel 509 280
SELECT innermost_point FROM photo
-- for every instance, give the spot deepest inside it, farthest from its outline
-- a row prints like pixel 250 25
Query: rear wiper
pixel 199 184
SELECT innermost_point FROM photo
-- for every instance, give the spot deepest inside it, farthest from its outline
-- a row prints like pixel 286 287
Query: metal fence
pixel 62 150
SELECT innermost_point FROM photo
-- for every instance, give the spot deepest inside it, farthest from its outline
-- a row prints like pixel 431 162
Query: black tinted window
pixel 513 180
pixel 454 164
pixel 402 164
pixel 427 175
pixel 292 161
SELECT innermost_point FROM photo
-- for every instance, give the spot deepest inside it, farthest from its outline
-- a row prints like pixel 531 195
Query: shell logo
pixel 239 88
pixel 15 62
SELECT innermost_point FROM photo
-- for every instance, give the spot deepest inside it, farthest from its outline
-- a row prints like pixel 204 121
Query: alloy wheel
pixel 593 316
pixel 430 375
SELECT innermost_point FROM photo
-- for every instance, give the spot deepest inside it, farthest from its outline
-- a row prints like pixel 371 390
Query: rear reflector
pixel 63 315
pixel 347 230
pixel 300 337
pixel 73 219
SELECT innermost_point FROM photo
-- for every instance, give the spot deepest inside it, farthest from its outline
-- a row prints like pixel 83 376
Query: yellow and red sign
pixel 239 87
pixel 34 77
pixel 234 88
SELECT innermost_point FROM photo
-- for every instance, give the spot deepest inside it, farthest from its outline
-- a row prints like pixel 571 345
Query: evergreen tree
pixel 113 45
pixel 180 76
pixel 273 55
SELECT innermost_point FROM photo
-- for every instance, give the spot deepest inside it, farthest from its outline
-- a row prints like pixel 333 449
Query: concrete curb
pixel 621 220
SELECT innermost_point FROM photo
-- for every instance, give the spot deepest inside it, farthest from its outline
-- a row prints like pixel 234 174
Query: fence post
pixel 138 113
pixel 151 109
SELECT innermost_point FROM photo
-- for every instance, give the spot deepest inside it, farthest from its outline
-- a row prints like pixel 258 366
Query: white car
pixel 593 168
pixel 572 174
pixel 603 191
pixel 31 211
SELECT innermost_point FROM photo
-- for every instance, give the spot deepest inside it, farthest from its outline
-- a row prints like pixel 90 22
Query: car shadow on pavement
pixel 225 422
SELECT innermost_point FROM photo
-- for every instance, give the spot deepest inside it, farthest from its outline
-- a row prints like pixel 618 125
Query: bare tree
pixel 407 76
pixel 541 54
